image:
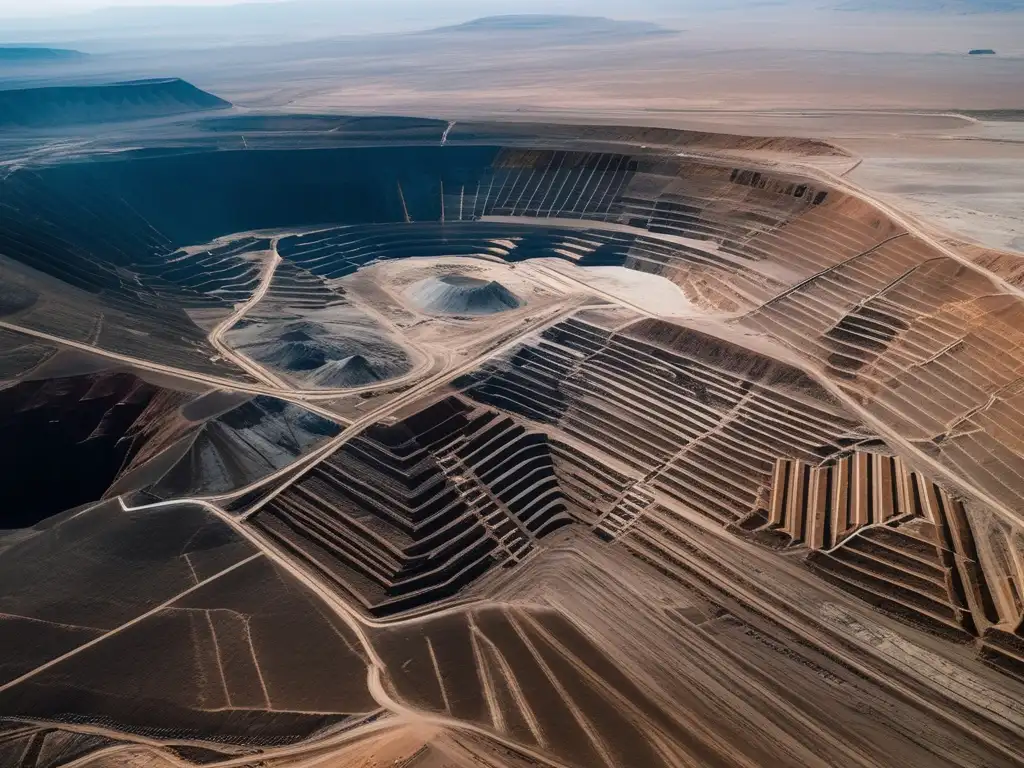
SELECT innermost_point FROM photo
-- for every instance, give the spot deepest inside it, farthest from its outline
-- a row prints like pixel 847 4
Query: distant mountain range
pixel 81 104
pixel 35 54
pixel 123 28
pixel 199 26
pixel 533 23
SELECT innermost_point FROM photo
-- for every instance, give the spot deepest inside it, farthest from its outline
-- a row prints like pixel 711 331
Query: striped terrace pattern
pixel 1000 548
pixel 338 252
pixel 822 505
pixel 740 219
pixel 1001 552
pixel 928 347
pixel 662 194
pixel 885 533
pixel 553 183
pixel 656 417
pixel 618 527
pixel 299 290
pixel 770 230
pixel 710 278
pixel 714 230
pixel 408 514
pixel 703 431
pixel 218 273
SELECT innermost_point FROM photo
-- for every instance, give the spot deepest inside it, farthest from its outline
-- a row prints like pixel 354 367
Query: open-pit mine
pixel 372 441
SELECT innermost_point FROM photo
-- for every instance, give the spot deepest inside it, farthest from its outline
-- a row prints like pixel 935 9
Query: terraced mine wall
pixel 189 197
pixel 153 201
pixel 407 515
pixel 102 238
pixel 657 415
pixel 885 533
pixel 777 248
pixel 584 425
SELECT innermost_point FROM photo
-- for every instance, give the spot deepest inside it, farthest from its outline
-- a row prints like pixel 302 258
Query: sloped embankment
pixel 460 295
pixel 81 104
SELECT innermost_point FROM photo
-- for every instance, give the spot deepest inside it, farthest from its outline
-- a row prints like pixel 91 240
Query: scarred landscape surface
pixel 337 440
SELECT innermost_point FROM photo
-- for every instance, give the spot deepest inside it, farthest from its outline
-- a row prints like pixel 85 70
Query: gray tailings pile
pixel 459 295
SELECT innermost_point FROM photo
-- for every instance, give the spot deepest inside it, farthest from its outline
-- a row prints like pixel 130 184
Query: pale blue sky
pixel 9 8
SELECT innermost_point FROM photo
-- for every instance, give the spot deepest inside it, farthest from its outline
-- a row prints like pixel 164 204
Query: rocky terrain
pixel 400 441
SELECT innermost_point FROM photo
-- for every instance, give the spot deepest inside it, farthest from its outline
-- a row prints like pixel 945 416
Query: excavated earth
pixel 494 506
pixel 459 295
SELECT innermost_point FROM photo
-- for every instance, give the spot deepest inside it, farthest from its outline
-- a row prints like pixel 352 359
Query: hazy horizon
pixel 51 8
pixel 125 24
pixel 48 9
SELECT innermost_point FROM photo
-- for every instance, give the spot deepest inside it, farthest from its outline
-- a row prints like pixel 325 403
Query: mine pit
pixel 573 440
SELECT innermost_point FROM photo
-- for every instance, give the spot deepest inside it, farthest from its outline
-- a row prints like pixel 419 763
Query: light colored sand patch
pixel 972 188
pixel 654 79
pixel 400 275
pixel 813 123
pixel 651 293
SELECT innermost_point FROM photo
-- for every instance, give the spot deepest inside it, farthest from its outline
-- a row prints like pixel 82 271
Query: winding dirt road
pixel 273 258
